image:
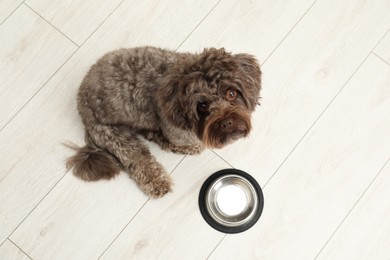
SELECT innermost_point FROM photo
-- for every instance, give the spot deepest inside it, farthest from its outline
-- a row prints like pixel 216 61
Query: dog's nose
pixel 226 123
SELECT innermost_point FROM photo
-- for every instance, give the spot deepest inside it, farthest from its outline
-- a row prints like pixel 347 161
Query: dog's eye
pixel 203 107
pixel 231 94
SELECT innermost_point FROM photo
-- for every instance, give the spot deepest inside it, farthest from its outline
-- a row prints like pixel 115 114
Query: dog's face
pixel 213 95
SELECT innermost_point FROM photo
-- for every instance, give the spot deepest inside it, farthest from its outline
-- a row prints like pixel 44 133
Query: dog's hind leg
pixel 134 156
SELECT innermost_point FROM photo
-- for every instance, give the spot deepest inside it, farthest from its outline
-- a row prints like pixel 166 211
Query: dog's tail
pixel 92 163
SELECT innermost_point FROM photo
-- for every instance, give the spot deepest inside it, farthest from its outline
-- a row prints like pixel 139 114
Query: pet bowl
pixel 231 201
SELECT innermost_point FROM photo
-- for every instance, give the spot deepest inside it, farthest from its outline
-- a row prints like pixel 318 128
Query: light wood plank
pixel 247 26
pixel 8 251
pixel 328 172
pixel 303 75
pixel 78 18
pixel 172 228
pixel 33 159
pixel 78 220
pixel 7 7
pixel 383 48
pixel 365 234
pixel 31 51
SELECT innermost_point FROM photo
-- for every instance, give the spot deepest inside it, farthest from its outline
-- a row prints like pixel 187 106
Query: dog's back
pixel 119 88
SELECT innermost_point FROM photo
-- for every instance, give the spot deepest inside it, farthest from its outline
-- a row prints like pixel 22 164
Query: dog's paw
pixel 151 177
pixel 157 188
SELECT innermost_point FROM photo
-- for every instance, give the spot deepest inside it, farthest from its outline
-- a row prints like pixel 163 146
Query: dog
pixel 184 102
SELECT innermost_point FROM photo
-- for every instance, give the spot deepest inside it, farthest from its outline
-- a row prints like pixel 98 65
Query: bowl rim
pixel 207 215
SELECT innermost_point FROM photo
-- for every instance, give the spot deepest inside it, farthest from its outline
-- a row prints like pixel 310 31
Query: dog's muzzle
pixel 225 127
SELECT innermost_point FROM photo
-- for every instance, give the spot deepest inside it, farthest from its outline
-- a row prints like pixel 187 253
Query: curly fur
pixel 178 100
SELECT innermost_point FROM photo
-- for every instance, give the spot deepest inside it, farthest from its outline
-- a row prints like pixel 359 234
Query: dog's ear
pixel 250 75
pixel 170 98
pixel 216 63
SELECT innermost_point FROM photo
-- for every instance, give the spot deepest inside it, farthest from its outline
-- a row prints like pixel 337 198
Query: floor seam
pixel 39 203
pixel 54 27
pixel 13 11
pixel 319 117
pixel 38 90
pixel 289 32
pixel 19 248
pixel 220 157
pixel 379 57
pixel 215 248
pixel 104 20
pixel 353 207
pixel 377 44
pixel 380 40
pixel 123 229
pixel 196 27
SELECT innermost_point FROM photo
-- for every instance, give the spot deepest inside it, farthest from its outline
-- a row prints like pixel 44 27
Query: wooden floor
pixel 320 146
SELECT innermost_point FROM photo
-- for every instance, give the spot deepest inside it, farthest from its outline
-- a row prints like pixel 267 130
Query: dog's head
pixel 212 94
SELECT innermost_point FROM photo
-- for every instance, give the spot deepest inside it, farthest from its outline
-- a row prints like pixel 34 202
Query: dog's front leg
pixel 134 156
pixel 166 145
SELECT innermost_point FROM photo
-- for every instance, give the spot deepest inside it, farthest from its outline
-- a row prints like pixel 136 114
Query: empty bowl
pixel 231 201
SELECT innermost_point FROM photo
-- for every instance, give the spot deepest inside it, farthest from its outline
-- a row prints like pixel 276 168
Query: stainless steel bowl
pixel 231 201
